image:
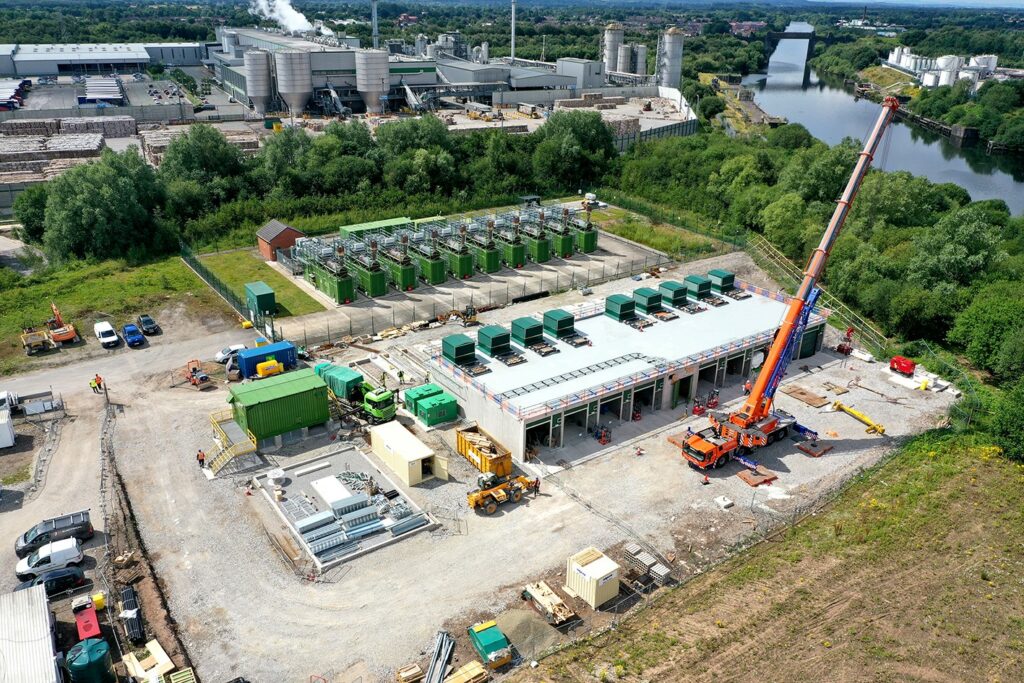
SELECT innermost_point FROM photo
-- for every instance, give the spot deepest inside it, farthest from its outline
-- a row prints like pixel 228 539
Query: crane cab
pixel 708 448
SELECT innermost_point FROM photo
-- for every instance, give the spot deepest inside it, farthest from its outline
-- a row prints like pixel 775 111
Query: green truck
pixel 378 404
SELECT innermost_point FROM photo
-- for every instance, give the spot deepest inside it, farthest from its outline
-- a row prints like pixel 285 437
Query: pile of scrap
pixel 155 142
pixel 46 147
pixel 548 603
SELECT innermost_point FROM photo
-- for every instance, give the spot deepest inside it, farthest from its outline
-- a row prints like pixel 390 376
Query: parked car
pixel 56 581
pixel 106 334
pixel 227 352
pixel 147 324
pixel 132 335
pixel 56 555
pixel 73 525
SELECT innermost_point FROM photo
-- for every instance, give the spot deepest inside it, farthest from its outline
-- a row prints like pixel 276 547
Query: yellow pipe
pixel 873 427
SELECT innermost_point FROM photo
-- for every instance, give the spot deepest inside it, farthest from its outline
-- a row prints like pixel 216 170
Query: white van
pixel 56 555
pixel 105 332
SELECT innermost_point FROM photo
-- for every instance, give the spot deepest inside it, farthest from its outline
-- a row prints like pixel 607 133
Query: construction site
pixel 452 500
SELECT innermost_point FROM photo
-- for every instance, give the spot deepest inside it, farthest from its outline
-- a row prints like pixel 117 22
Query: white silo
pixel 476 54
pixel 641 60
pixel 986 62
pixel 625 57
pixel 294 79
pixel 906 60
pixel 485 52
pixel 257 79
pixel 432 51
pixel 613 35
pixel 670 62
pixel 421 44
pixel 946 77
pixel 373 78
pixel 930 80
pixel 229 41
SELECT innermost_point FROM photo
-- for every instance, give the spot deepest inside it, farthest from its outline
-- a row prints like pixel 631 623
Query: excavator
pixel 755 424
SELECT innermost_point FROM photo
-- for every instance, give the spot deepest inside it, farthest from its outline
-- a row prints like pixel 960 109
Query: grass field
pixel 676 242
pixel 85 291
pixel 236 268
pixel 885 78
pixel 913 574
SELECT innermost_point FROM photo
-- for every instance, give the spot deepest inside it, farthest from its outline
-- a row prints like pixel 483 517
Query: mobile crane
pixel 735 434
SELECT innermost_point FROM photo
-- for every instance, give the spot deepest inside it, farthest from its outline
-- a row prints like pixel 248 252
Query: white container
pixel 592 576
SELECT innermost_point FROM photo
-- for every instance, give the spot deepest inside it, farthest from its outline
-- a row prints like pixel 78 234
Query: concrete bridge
pixel 772 38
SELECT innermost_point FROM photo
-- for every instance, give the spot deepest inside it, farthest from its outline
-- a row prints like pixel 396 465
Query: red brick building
pixel 276 235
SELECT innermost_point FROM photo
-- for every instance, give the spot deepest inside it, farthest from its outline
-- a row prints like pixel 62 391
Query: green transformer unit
pixel 697 286
pixel 486 259
pixel 673 293
pixel 722 280
pixel 561 244
pixel 647 300
pixel 538 249
pixel 559 323
pixel 494 340
pixel 459 349
pixel 280 404
pixel 619 307
pixel 259 299
pixel 527 331
pixel 344 382
pixel 412 397
pixel 435 410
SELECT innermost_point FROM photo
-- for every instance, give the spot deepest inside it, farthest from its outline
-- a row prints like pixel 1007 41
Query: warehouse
pixel 603 362
pixel 53 59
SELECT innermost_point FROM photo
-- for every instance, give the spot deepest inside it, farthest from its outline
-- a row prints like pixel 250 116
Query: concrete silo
pixel 625 58
pixel 294 79
pixel 257 79
pixel 613 36
pixel 373 78
pixel 641 59
pixel 670 62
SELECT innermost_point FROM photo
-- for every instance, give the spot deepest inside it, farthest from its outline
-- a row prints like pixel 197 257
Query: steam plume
pixel 282 12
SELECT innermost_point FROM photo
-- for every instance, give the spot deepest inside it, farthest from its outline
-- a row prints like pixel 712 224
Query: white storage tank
pixel 947 77
pixel 421 44
pixel 294 79
pixel 592 576
pixel 641 60
pixel 930 80
pixel 485 52
pixel 670 66
pixel 987 62
pixel 432 51
pixel 613 36
pixel 947 62
pixel 373 78
pixel 257 79
pixel 625 57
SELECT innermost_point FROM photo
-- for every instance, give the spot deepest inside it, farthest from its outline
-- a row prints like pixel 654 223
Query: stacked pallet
pixel 30 127
pixel 621 124
pixel 38 147
pixel 644 563
pixel 155 142
pixel 37 171
pixel 107 126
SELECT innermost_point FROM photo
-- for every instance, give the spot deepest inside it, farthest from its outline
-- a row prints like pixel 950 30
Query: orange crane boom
pixel 754 424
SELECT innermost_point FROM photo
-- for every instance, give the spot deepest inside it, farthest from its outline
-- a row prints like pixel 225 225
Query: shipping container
pixel 592 577
pixel 722 280
pixel 284 352
pixel 619 307
pixel 458 348
pixel 259 299
pixel 483 451
pixel 360 229
pixel 343 381
pixel 538 249
pixel 494 340
pixel 673 293
pixel 527 331
pixel 697 286
pixel 559 323
pixel 647 300
pixel 438 409
pixel 280 404
pixel 412 397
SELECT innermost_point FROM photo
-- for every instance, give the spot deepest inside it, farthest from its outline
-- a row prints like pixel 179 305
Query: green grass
pixel 23 473
pixel 87 291
pixel 236 268
pixel 668 239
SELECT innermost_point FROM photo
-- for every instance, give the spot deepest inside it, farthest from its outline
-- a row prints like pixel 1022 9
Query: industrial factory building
pixel 32 61
pixel 547 379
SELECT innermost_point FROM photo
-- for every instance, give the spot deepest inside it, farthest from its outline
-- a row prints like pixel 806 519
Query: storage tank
pixel 613 35
pixel 485 52
pixel 228 41
pixel 257 79
pixel 947 62
pixel 89 662
pixel 641 60
pixel 432 51
pixel 947 77
pixel 624 59
pixel 987 62
pixel 670 67
pixel 906 59
pixel 421 44
pixel 930 80
pixel 968 75
pixel 294 79
pixel 373 78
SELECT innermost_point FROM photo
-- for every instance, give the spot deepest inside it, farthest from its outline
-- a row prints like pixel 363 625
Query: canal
pixel 831 112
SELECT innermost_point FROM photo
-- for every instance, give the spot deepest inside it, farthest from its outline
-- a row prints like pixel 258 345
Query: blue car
pixel 132 335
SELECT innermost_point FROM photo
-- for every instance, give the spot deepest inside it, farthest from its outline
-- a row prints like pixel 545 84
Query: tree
pixel 790 136
pixel 1008 421
pixel 783 222
pixel 395 139
pixel 106 209
pixel 990 328
pixel 574 150
pixel 711 106
pixel 30 210
pixel 957 250
pixel 202 154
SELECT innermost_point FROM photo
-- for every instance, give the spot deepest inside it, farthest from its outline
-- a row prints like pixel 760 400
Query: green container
pixel 280 404
pixel 586 241
pixel 527 331
pixel 259 299
pixel 513 255
pixel 412 397
pixel 562 245
pixel 458 348
pixel 486 260
pixel 559 323
pixel 344 382
pixel 673 293
pixel 432 270
pixel 647 300
pixel 438 409
pixel 360 229
pixel 459 265
pixel 619 307
pixel 268 123
pixel 340 288
pixel 539 249
pixel 698 287
pixel 370 282
pixel 722 280
pixel 494 340
pixel 90 662
pixel 402 276
pixel 487 641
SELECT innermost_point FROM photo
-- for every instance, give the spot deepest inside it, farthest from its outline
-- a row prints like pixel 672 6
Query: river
pixel 831 112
